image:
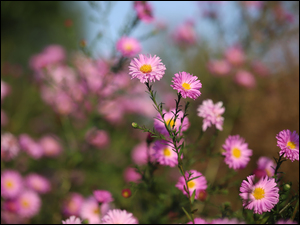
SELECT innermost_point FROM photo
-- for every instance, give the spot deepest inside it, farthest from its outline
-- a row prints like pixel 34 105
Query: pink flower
pixel 288 142
pixel 98 138
pixel 131 175
pixel 33 148
pixel 117 216
pixel 165 154
pixel 11 205
pixel 226 221
pixel 198 221
pixel 169 118
pixel 37 183
pixel 245 79
pixel 9 146
pixel 140 154
pixel 147 68
pixel 5 90
pixel 237 155
pixel 72 220
pixel 30 203
pixel 11 184
pixel 262 196
pixel 144 11
pixel 185 34
pixel 103 196
pixel 219 67
pixel 211 113
pixel 187 85
pixel 50 145
pixel 198 184
pixel 235 55
pixel 4 118
pixel 260 69
pixel 128 46
pixel 265 167
pixel 288 221
pixel 72 205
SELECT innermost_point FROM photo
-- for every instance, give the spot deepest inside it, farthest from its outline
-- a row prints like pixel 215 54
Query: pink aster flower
pixel 169 118
pixel 262 196
pixel 187 85
pixel 245 79
pixel 237 155
pixel 211 114
pixel 103 196
pixel 226 221
pixel 11 205
pixel 9 146
pixel 128 46
pixel 97 138
pixel 118 216
pixel 165 154
pixel 198 184
pixel 72 205
pixel 219 67
pixel 198 221
pixel 11 184
pixel 141 152
pixel 38 183
pixel 131 175
pixel 265 167
pixel 33 148
pixel 147 68
pixel 235 55
pixel 288 142
pixel 29 203
pixel 50 145
pixel 5 89
pixel 185 34
pixel 144 11
pixel 72 220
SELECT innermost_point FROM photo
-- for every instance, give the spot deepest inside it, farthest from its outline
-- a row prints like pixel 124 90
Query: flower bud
pixel 126 193
pixel 135 125
pixel 286 187
pixel 202 195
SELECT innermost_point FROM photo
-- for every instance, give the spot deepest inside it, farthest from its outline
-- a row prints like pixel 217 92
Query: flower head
pixel 103 196
pixel 72 205
pixel 165 154
pixel 235 55
pixel 144 11
pixel 219 67
pixel 11 184
pixel 50 145
pixel 282 221
pixel 226 221
pixel 198 221
pixel 185 34
pixel 198 184
pixel 37 183
pixel 33 148
pixel 265 167
pixel 118 216
pixel 187 85
pixel 9 146
pixel 140 154
pixel 29 203
pixel 262 196
pixel 131 175
pixel 72 220
pixel 147 68
pixel 288 142
pixel 211 113
pixel 237 155
pixel 128 46
pixel 245 79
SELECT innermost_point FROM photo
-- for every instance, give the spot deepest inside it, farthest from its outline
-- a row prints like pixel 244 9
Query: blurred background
pixel 245 53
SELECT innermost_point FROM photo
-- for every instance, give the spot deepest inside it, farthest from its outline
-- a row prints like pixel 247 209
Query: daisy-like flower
pixel 118 216
pixel 288 142
pixel 262 196
pixel 11 184
pixel 211 113
pixel 265 166
pixel 219 67
pixel 198 221
pixel 198 184
pixel 147 68
pixel 237 155
pixel 165 154
pixel 72 205
pixel 29 203
pixel 187 85
pixel 144 11
pixel 131 175
pixel 9 146
pixel 72 220
pixel 245 79
pixel 128 46
pixel 37 183
pixel 103 196
pixel 169 118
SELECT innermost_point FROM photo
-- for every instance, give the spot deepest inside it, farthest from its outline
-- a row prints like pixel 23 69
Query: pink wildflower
pixel 226 221
pixel 235 55
pixel 245 79
pixel 144 11
pixel 185 34
pixel 165 154
pixel 288 142
pixel 72 220
pixel 288 221
pixel 198 221
pixel 50 145
pixel 9 146
pixel 219 67
pixel 72 205
pixel 11 184
pixel 265 167
pixel 140 154
pixel 30 203
pixel 131 175
pixel 103 196
pixel 33 148
pixel 98 138
pixel 117 216
pixel 37 183
pixel 128 46
pixel 5 90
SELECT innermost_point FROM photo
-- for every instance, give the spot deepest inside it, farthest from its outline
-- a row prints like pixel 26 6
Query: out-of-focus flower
pixel 4 118
pixel 12 218
pixel 140 154
pixel 226 221
pixel 144 11
pixel 11 184
pixel 128 46
pixel 118 216
pixel 288 142
pixel 259 68
pixel 169 118
pixel 165 154
pixel 187 85
pixel 219 67
pixel 72 220
pixel 50 145
pixel 262 196
pixel 5 90
pixel 37 183
pixel 72 205
pixel 265 167
pixel 198 184
pixel 147 68
pixel 103 196
pixel 33 148
pixel 281 221
pixel 97 138
pixel 211 114
pixel 68 23
pixel 237 155
pixel 245 79
pixel 11 205
pixel 130 175
pixel 198 221
pixel 202 195
pixel 29 203
pixel 235 55
pixel 185 34
pixel 126 193
pixel 9 146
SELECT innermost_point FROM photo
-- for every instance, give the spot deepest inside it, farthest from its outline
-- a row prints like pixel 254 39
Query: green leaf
pixel 186 213
pixel 193 196
pixel 194 178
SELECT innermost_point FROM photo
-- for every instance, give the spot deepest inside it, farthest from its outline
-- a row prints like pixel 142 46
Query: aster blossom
pixel 237 155
pixel 187 85
pixel 165 154
pixel 265 166
pixel 288 142
pixel 11 184
pixel 72 220
pixel 29 203
pixel 103 196
pixel 147 68
pixel 128 46
pixel 211 113
pixel 260 197
pixel 118 216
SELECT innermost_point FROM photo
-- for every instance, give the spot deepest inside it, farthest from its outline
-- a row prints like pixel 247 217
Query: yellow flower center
pixel 146 68
pixel 191 184
pixel 9 184
pixel 128 47
pixel 170 122
pixel 291 144
pixel 25 204
pixel 258 193
pixel 268 172
pixel 236 153
pixel 96 211
pixel 167 152
pixel 186 86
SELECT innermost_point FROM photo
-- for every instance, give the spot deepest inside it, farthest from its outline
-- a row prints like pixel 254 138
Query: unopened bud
pixel 202 195
pixel 126 193
pixel 135 125
pixel 286 187
pixel 227 204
